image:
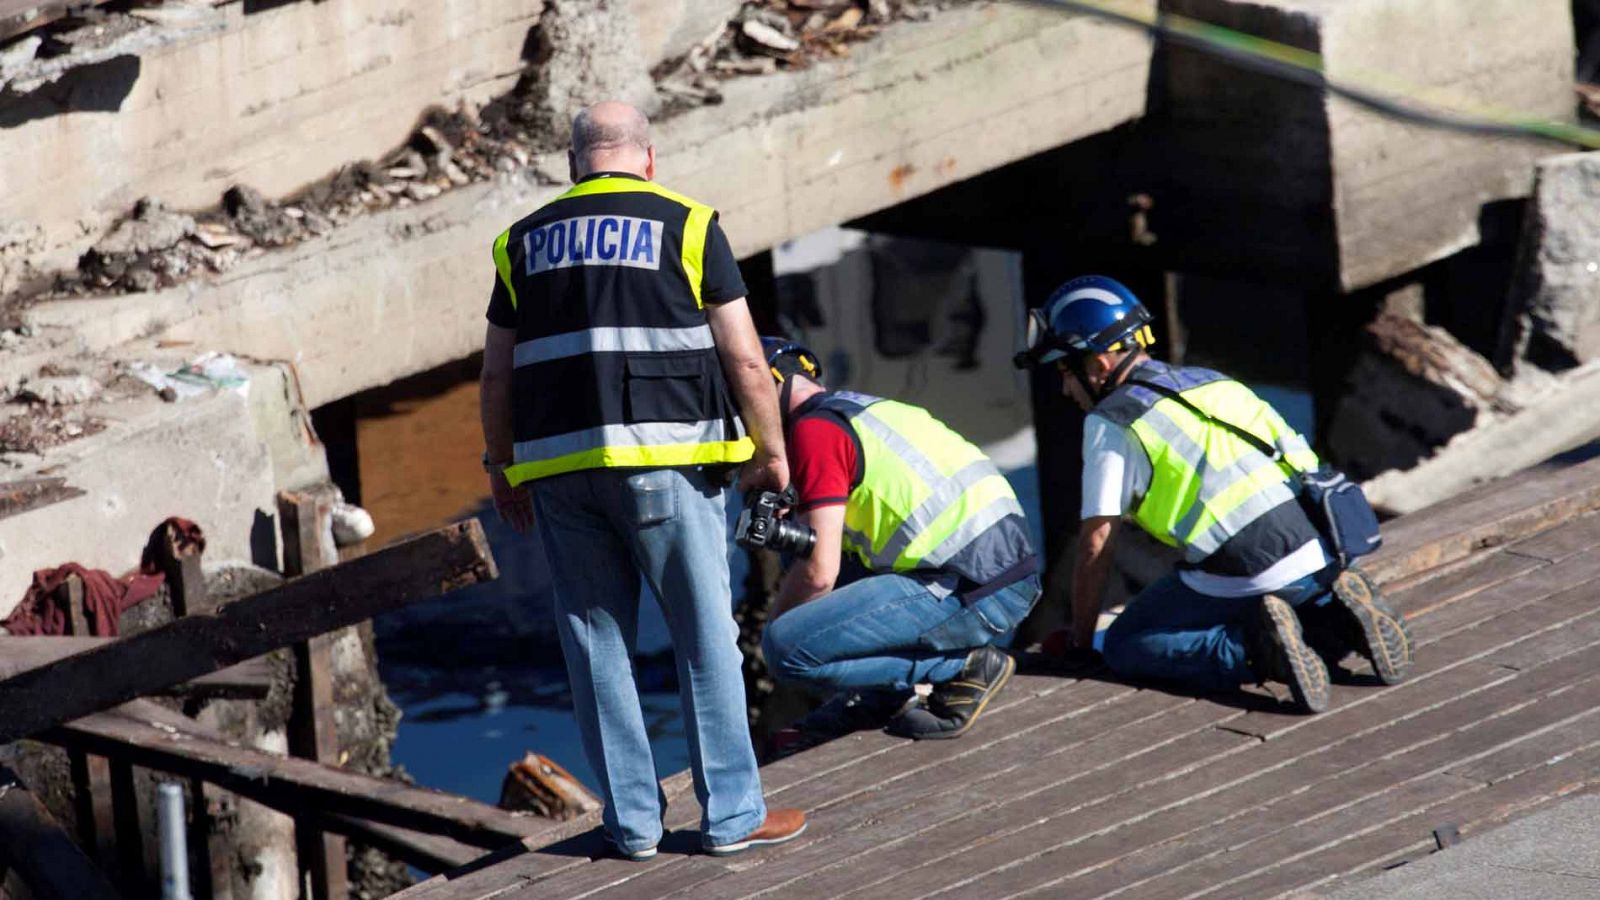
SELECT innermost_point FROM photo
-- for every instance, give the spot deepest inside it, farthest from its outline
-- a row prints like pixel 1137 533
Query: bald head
pixel 611 137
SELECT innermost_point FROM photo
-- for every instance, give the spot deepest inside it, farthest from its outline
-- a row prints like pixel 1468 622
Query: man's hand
pixel 513 504
pixel 764 471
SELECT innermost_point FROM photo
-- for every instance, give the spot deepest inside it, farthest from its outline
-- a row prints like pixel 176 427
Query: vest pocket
pixel 666 387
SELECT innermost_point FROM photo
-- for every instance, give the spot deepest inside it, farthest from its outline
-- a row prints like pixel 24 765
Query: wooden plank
pixel 157 738
pixel 1570 538
pixel 1493 514
pixel 1318 732
pixel 306 519
pixel 431 853
pixel 1183 850
pixel 1008 821
pixel 894 794
pixel 1491 569
pixel 1472 810
pixel 34 846
pixel 440 561
pixel 249 680
pixel 178 558
pixel 1514 626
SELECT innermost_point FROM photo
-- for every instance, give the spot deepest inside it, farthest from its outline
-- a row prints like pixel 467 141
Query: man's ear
pixel 650 162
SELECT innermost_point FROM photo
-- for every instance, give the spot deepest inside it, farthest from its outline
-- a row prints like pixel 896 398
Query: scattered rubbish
pixel 201 375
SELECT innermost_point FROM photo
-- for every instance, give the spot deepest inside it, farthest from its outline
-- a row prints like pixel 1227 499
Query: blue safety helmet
pixel 786 357
pixel 1090 314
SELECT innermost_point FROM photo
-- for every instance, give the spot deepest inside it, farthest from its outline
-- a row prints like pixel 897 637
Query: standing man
pixel 1154 450
pixel 617 328
pixel 944 542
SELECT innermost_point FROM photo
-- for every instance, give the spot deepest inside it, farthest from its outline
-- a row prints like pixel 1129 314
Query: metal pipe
pixel 174 843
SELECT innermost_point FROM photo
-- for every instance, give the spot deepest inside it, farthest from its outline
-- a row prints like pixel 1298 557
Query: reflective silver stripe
pixel 613 340
pixel 1259 504
pixel 647 434
pixel 1168 430
pixel 1218 483
pixel 899 446
pixel 949 491
pixel 1293 443
pixel 859 539
pixel 971 527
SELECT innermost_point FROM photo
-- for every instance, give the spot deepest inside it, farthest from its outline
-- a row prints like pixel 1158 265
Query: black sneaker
pixel 1279 653
pixel 954 705
pixel 1371 627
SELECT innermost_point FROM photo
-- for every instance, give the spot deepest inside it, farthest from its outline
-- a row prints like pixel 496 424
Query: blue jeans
pixel 1171 631
pixel 604 530
pixel 889 632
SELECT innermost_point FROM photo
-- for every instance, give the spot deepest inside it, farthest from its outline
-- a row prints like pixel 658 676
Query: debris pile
pixel 156 248
pixel 769 35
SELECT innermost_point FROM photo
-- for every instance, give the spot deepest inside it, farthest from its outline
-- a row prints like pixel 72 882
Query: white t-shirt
pixel 1116 475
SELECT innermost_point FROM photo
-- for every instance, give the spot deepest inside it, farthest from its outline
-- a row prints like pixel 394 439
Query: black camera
pixel 761 528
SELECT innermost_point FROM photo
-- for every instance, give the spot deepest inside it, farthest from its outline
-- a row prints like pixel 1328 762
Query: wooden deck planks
pixel 1099 789
pixel 1259 811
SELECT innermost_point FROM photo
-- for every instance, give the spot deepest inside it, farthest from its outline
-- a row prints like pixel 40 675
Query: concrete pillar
pixel 1276 177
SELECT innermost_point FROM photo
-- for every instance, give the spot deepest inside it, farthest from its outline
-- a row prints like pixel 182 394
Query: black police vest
pixel 615 365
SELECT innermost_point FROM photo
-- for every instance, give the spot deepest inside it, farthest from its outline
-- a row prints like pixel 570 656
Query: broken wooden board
pixel 1489 515
pixel 249 680
pixel 34 845
pixel 152 736
pixel 440 561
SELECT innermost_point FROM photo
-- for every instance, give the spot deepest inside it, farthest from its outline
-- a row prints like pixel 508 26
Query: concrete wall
pixel 923 106
pixel 274 99
pixel 1276 177
pixel 200 459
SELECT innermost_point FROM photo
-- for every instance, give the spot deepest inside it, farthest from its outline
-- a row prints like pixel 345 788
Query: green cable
pixel 1372 90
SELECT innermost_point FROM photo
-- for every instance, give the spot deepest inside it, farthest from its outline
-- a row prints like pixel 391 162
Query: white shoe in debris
pixel 351 524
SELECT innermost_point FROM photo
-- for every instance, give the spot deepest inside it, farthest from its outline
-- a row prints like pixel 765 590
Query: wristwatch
pixel 492 467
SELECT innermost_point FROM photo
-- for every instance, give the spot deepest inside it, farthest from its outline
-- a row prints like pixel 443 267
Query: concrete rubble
pixel 1558 287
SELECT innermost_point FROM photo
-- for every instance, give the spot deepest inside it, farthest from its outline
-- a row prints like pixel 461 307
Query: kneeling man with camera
pixel 949 566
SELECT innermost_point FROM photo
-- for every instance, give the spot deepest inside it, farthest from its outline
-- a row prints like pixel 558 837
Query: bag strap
pixel 1270 451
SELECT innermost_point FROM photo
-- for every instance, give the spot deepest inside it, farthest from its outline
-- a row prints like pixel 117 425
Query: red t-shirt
pixel 823 461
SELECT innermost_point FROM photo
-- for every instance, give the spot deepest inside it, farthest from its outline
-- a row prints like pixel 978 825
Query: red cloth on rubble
pixel 43 611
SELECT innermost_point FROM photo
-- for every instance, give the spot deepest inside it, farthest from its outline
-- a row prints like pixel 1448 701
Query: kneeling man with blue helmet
pixel 1205 466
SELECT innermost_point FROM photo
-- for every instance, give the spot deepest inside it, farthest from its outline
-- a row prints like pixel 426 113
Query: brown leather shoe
pixel 780 825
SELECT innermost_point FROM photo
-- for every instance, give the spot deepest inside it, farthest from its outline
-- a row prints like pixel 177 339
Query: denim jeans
pixel 1170 631
pixel 604 530
pixel 889 632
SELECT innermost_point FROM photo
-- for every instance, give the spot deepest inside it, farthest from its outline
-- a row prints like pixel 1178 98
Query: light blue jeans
pixel 1170 631
pixel 604 530
pixel 889 632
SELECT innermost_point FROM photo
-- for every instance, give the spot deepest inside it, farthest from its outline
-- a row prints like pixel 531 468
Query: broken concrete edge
pixel 584 51
pixel 219 459
pixel 781 156
pixel 1560 418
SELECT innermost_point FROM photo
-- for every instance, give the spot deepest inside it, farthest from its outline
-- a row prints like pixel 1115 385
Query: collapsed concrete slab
pixel 403 291
pixel 1262 175
pixel 218 458
pixel 276 97
pixel 1557 290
